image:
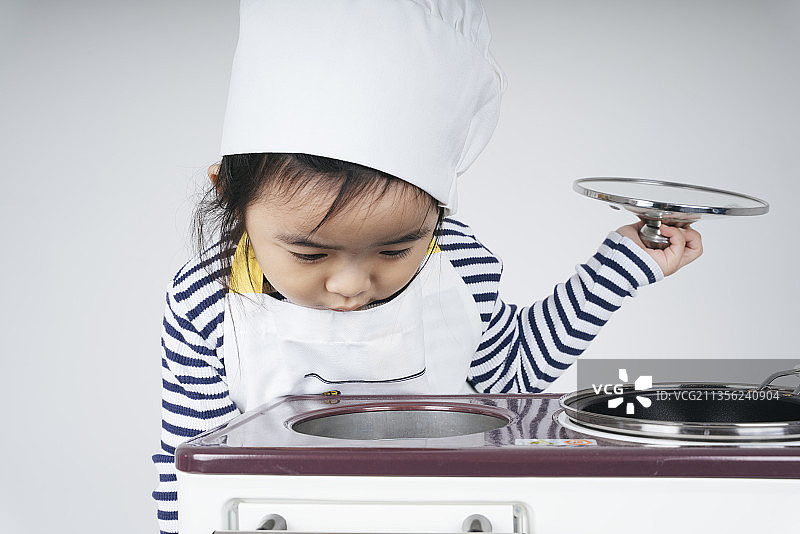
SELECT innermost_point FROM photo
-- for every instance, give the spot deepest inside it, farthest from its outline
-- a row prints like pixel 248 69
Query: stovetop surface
pixel 533 443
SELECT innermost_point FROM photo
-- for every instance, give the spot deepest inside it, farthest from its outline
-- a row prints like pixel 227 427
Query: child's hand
pixel 685 246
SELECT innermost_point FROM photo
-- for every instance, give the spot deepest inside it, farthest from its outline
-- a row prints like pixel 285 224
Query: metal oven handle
pixel 275 523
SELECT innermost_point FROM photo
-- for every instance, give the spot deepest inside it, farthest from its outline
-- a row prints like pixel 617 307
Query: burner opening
pixel 375 422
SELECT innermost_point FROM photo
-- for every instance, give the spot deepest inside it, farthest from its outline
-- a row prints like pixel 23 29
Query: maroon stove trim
pixel 203 455
pixel 501 462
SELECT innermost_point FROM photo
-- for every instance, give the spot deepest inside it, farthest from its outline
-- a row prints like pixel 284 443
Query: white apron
pixel 421 342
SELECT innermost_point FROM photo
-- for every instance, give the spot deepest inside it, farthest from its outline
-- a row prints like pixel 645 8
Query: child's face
pixel 365 253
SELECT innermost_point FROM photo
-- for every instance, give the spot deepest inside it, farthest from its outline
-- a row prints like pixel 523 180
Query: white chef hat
pixel 407 87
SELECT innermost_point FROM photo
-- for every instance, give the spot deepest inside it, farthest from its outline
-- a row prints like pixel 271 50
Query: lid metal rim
pixel 666 206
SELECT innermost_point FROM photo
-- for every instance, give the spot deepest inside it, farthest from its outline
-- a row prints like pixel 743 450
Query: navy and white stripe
pixel 521 349
pixel 194 389
pixel 524 349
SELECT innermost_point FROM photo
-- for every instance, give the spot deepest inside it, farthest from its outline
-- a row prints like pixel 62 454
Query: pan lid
pixel 640 194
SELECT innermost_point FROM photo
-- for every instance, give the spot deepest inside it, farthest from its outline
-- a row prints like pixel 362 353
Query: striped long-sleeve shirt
pixel 522 349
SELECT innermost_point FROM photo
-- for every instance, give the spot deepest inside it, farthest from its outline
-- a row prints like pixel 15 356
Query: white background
pixel 112 110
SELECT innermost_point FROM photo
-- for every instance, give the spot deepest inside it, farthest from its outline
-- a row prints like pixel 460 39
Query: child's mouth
pixel 346 309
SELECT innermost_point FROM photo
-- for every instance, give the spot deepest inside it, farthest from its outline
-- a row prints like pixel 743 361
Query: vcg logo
pixel 642 383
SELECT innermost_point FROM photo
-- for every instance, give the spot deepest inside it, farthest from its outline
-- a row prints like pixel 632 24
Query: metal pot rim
pixel 713 431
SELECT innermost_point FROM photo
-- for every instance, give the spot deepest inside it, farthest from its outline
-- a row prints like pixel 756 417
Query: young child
pixel 336 263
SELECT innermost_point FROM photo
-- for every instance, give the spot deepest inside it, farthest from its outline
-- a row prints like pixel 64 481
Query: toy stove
pixel 528 464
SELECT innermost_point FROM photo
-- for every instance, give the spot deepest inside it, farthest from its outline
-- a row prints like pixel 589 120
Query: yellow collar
pixel 246 273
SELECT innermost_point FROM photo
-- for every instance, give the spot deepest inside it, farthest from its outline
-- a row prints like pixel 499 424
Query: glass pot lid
pixel 675 204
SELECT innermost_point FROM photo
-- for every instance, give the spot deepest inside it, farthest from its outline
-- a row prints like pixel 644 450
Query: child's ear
pixel 213 173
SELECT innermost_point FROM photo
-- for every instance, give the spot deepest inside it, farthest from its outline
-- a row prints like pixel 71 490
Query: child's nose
pixel 348 282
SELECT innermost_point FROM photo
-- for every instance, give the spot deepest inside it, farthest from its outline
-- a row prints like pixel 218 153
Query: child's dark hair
pixel 243 178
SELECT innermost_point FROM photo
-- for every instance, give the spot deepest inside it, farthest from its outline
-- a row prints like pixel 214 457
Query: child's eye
pixel 396 254
pixel 307 258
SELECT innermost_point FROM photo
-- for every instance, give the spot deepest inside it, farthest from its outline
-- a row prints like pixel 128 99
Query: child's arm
pixel 194 391
pixel 526 349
